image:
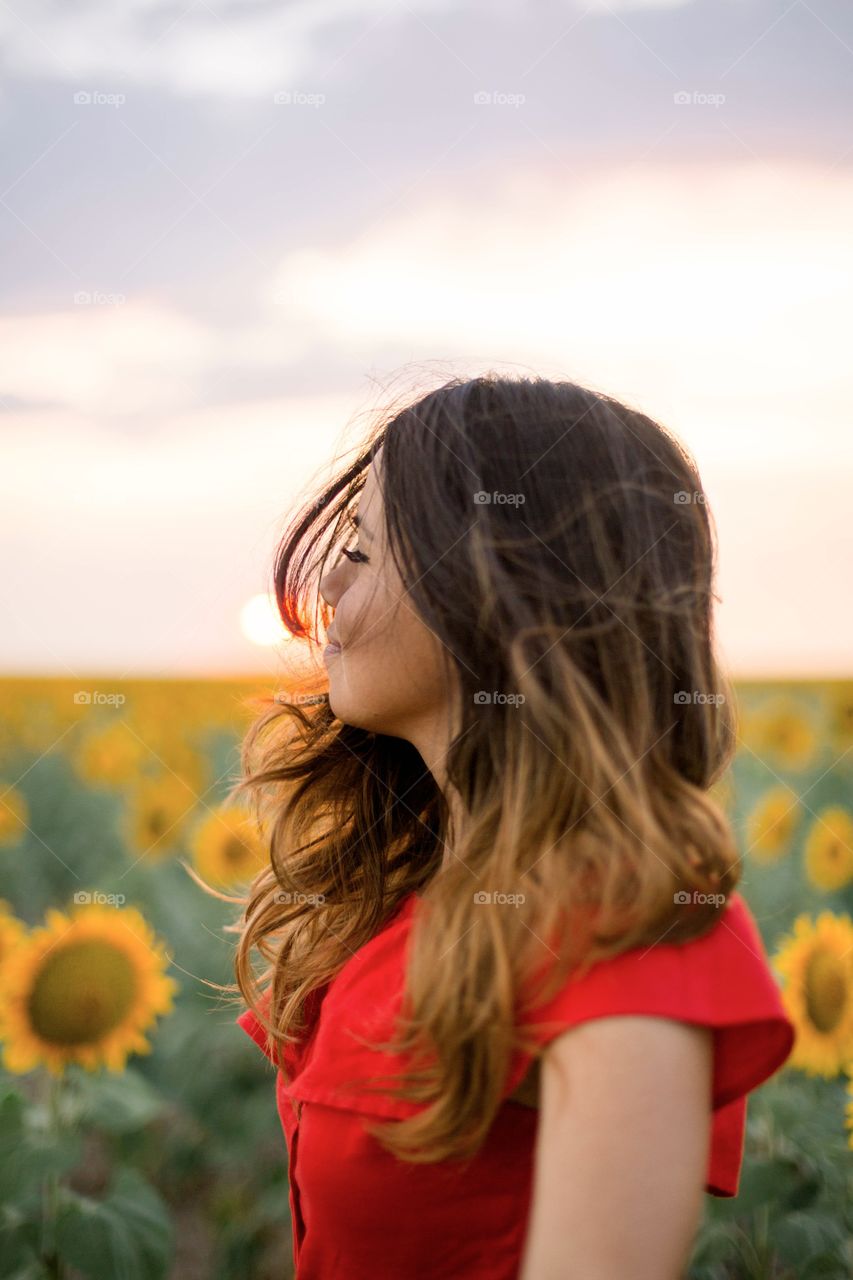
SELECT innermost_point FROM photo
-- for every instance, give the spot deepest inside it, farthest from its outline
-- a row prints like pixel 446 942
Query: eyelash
pixel 357 557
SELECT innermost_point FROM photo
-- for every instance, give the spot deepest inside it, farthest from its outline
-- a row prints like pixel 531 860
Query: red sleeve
pixel 249 1023
pixel 291 1056
pixel 721 980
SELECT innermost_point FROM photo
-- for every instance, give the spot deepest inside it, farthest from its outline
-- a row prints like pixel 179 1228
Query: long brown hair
pixel 561 544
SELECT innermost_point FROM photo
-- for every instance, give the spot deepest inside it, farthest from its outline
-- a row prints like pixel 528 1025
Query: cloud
pixel 196 48
pixel 718 291
pixel 223 51
pixel 714 285
pixel 118 358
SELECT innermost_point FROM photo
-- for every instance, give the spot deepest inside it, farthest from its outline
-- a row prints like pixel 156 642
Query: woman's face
pixel 388 675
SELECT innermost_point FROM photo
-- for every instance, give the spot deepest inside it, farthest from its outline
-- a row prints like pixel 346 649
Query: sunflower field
pixel 139 1138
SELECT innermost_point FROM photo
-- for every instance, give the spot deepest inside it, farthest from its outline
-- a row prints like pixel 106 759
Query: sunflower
pixel 771 824
pixel 29 720
pixel 227 848
pixel 782 732
pixel 816 964
pixel 157 815
pixel 829 849
pixel 110 755
pixel 14 815
pixel 191 766
pixel 83 988
pixel 12 931
pixel 840 699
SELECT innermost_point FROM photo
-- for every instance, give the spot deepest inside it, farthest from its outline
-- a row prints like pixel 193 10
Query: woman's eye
pixel 356 556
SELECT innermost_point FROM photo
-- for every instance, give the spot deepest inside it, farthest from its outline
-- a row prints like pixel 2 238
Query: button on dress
pixel 359 1213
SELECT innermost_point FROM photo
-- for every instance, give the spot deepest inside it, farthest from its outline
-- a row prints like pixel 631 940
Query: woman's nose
pixel 329 587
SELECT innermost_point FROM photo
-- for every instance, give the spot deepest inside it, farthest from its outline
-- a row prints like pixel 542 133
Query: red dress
pixel 358 1213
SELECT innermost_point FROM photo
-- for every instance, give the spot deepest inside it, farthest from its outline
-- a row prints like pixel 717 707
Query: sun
pixel 260 622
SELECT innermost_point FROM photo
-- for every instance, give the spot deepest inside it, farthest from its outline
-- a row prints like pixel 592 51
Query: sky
pixel 231 232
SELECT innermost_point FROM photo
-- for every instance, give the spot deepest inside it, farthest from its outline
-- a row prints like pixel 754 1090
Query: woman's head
pixel 508 529
pixel 530 637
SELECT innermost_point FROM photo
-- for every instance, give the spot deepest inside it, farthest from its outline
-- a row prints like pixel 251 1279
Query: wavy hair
pixel 561 544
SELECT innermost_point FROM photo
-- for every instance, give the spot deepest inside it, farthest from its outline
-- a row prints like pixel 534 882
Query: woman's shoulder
pixel 726 966
pixel 722 979
pixel 360 988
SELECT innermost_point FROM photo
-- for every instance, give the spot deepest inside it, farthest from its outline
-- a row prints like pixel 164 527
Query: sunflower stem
pixel 50 1184
pixel 763 1238
pixel 750 1257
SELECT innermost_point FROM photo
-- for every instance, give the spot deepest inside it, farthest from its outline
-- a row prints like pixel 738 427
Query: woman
pixel 514 1000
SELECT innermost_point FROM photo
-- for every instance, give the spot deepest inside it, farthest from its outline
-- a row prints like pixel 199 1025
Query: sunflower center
pixel 82 992
pixel 234 850
pixel 826 990
pixel 157 822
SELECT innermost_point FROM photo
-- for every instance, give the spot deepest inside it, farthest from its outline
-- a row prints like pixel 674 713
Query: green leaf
pixel 20 1238
pixel 715 1245
pixel 28 1151
pixel 827 1266
pixel 800 1238
pixel 119 1103
pixel 806 1192
pixel 764 1182
pixel 127 1236
pixel 33 1269
pixel 11 1116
